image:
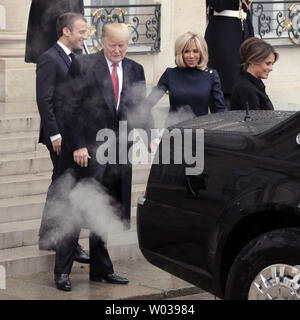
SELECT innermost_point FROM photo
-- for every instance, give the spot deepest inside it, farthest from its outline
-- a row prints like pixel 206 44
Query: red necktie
pixel 115 81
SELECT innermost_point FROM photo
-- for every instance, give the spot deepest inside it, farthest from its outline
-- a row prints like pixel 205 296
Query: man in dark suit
pixel 51 75
pixel 41 29
pixel 108 89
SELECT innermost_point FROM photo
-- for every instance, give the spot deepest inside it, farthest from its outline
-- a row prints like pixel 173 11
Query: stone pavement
pixel 146 283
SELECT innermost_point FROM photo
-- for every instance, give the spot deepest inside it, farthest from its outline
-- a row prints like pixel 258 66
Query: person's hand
pixel 154 145
pixel 81 157
pixel 247 3
pixel 56 145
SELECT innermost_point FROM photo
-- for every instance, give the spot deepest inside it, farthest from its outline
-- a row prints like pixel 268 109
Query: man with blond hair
pixel 107 88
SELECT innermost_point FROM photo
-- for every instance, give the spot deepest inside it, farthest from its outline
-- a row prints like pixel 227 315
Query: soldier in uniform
pixel 41 30
pixel 229 25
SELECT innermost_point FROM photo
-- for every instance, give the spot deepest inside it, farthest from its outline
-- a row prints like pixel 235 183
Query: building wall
pixel 283 85
pixel 2 17
pixel 177 17
pixel 16 14
pixel 174 21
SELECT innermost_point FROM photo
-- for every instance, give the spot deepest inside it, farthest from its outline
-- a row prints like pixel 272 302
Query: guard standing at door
pixel 230 24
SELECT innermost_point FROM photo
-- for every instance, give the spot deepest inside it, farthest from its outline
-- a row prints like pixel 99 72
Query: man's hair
pixel 183 42
pixel 67 20
pixel 116 30
pixel 255 50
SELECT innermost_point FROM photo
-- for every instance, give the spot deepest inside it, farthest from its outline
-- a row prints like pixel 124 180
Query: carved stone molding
pixel 12 44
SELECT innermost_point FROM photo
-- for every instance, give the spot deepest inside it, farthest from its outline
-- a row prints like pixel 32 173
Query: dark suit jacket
pixel 224 35
pixel 51 75
pixel 251 91
pixel 92 107
pixel 41 30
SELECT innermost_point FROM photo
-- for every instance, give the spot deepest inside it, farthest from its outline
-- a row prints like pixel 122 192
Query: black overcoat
pixel 250 91
pixel 91 108
pixel 224 35
pixel 41 30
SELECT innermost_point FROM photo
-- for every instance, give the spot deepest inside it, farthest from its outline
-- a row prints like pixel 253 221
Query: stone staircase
pixel 25 173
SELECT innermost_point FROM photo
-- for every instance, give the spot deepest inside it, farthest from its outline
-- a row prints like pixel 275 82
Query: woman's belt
pixel 232 13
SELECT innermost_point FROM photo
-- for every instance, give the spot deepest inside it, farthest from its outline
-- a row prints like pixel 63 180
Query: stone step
pixel 25 233
pixel 19 122
pixel 24 163
pixel 20 142
pixel 24 185
pixel 18 107
pixel 29 259
pixel 18 234
pixel 21 233
pixel 28 208
pixel 34 184
pixel 22 208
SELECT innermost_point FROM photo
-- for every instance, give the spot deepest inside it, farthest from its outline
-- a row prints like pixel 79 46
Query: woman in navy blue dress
pixel 192 87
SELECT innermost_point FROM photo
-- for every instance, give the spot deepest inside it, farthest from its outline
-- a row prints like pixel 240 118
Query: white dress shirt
pixel 120 75
pixel 66 50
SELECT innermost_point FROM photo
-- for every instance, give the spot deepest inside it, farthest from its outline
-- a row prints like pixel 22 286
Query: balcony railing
pixel 277 22
pixel 143 21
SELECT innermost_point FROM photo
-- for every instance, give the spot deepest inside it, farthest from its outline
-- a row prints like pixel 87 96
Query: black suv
pixel 233 229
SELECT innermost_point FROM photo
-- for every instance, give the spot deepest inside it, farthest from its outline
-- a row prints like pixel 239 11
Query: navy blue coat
pixel 191 92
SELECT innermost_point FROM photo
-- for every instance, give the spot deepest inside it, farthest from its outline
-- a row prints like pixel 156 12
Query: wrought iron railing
pixel 277 22
pixel 143 21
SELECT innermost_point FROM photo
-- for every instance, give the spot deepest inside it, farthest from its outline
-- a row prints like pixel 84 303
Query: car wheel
pixel 267 268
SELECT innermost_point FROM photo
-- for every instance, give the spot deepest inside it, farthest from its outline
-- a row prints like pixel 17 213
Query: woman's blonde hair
pixel 183 42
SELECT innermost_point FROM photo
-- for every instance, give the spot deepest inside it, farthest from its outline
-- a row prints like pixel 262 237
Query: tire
pixel 272 260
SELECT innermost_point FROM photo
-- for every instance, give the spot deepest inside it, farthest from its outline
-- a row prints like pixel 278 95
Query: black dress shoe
pixel 63 282
pixel 81 255
pixel 111 278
